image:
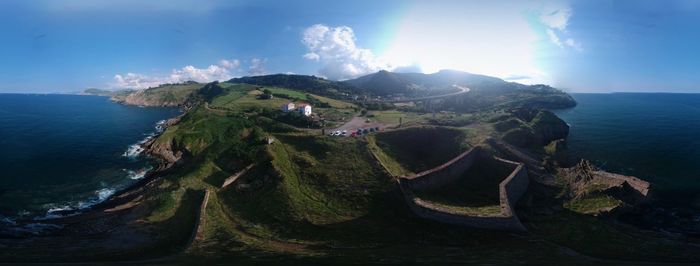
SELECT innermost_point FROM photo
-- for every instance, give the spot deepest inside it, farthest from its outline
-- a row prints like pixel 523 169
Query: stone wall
pixel 511 189
pixel 443 174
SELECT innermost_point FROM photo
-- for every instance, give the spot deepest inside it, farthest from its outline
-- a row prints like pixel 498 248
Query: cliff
pixel 167 95
pixel 532 127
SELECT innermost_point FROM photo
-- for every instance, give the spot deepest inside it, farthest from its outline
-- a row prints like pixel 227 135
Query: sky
pixel 579 46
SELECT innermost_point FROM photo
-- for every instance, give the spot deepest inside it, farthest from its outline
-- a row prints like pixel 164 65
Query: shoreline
pixel 121 196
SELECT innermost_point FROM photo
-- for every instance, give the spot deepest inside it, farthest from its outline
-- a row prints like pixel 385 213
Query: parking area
pixel 357 126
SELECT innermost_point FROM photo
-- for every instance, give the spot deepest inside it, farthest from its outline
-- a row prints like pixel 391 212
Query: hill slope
pixel 485 91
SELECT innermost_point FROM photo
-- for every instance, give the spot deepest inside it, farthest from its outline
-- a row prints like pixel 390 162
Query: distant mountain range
pixel 484 91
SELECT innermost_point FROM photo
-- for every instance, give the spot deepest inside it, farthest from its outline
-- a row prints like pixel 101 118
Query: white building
pixel 305 109
pixel 288 107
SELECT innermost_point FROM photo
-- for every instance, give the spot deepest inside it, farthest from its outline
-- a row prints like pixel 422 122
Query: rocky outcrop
pixel 166 151
pixel 585 178
pixel 532 128
pixel 546 127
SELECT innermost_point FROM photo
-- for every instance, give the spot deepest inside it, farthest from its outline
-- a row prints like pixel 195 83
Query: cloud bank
pixel 223 70
pixel 336 49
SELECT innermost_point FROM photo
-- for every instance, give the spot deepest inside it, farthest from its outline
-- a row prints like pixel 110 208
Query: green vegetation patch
pixel 421 148
pixel 202 133
pixel 392 166
pixel 592 204
pixel 173 93
pixel 311 181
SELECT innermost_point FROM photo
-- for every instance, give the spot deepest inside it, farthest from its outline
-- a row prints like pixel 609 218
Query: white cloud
pixel 573 44
pixel 135 81
pixel 257 67
pixel 336 49
pixel 555 17
pixel 222 71
pixel 229 63
pixel 554 38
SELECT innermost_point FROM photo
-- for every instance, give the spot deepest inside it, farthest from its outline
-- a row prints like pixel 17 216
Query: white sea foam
pixel 69 209
pixel 160 126
pixel 104 194
pixel 133 151
pixel 135 175
pixel 136 149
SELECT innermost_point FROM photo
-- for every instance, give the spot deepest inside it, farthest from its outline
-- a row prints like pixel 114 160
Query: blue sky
pixel 580 46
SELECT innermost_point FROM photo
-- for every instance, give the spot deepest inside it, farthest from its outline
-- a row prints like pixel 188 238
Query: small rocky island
pixel 450 167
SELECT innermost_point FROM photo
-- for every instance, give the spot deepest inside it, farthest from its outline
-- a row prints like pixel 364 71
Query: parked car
pixel 371 129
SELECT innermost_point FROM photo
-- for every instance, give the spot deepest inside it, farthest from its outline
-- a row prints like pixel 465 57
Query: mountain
pixel 484 91
pixel 384 83
pixel 311 84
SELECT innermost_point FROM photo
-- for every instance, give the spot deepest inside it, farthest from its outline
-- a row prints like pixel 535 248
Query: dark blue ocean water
pixel 66 151
pixel 654 136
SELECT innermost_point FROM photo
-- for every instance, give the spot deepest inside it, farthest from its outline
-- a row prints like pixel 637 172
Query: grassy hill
pixel 164 95
pixel 485 92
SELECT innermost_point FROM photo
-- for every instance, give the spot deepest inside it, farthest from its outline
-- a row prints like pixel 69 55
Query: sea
pixel 653 136
pixel 63 153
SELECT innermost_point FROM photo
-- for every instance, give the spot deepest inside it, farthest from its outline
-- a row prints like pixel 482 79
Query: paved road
pixel 462 91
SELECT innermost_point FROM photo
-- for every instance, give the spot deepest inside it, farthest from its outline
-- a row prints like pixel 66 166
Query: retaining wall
pixel 443 174
pixel 511 189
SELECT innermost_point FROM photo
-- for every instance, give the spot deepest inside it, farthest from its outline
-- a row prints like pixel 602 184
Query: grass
pixel 485 210
pixel 391 118
pixel 392 166
pixel 421 148
pixel 592 204
pixel 234 92
pixel 334 103
pixel 172 95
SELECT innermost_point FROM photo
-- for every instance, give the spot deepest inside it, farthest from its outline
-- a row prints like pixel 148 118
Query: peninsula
pixel 450 167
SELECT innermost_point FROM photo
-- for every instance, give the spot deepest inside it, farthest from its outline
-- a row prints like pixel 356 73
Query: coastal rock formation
pixel 547 127
pixel 532 128
pixel 585 179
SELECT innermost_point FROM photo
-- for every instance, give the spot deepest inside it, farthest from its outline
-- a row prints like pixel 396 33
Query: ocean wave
pixel 69 209
pixel 141 173
pixel 133 151
pixel 136 149
pixel 160 126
